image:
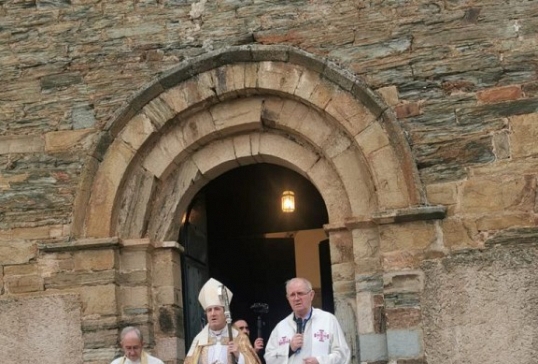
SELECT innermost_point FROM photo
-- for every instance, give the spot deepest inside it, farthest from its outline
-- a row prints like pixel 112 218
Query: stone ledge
pixel 82 244
pixel 333 227
pixel 514 236
pixel 359 222
pixel 418 213
pixel 135 243
pixel 170 245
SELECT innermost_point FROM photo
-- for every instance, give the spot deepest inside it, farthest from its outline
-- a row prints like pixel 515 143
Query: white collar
pixel 217 333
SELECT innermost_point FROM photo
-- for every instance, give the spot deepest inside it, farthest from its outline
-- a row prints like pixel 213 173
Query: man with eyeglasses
pixel 242 326
pixel 308 335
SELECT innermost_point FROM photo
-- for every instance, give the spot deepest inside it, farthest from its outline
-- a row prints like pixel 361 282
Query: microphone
pixel 299 322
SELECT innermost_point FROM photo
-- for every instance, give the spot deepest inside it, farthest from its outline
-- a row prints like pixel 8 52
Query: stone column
pixel 405 238
pixel 369 291
pixel 403 246
pixel 341 248
pixel 135 298
pixel 149 295
pixel 88 268
pixel 168 301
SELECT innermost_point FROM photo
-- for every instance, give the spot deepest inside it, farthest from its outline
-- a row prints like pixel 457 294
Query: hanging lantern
pixel 288 201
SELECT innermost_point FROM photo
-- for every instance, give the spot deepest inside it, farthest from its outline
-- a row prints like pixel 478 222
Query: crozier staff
pixel 308 335
pixel 212 345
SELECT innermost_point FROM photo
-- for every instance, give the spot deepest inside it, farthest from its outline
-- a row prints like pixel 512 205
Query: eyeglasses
pixel 298 294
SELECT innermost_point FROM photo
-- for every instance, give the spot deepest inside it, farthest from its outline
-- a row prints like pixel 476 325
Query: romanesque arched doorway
pixel 235 231
pixel 243 106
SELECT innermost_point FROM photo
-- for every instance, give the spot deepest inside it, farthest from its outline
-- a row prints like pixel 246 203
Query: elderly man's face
pixel 242 326
pixel 299 297
pixel 215 317
pixel 132 346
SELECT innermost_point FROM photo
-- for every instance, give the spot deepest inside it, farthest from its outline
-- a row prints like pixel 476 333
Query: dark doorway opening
pixel 243 209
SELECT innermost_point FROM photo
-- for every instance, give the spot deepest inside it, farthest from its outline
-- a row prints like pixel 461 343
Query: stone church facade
pixel 416 121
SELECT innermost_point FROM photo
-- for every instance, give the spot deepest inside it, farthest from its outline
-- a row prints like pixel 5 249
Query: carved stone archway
pixel 240 106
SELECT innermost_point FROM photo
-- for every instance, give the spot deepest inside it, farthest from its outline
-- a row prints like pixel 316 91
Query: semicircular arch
pixel 175 193
pixel 254 92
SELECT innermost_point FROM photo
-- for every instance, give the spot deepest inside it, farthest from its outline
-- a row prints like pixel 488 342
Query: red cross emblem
pixel 321 335
pixel 283 340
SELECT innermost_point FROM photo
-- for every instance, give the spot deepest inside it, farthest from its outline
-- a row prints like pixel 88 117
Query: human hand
pixel 233 348
pixel 310 360
pixel 258 344
pixel 296 342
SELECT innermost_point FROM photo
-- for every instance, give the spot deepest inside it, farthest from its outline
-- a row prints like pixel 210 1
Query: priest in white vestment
pixel 132 344
pixel 308 335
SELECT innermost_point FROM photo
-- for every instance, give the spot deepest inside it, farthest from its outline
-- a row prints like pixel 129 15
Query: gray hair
pixel 305 281
pixel 129 329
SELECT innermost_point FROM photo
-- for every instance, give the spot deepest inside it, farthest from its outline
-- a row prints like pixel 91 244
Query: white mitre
pixel 212 294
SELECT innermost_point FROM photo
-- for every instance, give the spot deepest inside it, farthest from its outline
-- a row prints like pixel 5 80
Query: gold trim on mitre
pixel 212 294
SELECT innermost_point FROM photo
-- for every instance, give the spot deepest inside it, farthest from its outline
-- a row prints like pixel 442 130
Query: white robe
pixel 146 358
pixel 205 349
pixel 323 339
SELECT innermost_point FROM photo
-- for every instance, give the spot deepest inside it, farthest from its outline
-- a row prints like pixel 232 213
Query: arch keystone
pixel 237 115
pixel 278 76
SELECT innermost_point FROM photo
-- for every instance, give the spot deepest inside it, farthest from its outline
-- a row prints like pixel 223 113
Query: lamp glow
pixel 288 201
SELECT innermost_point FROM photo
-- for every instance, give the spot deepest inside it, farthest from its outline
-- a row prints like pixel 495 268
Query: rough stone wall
pixel 460 76
pixel 482 294
pixel 26 323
